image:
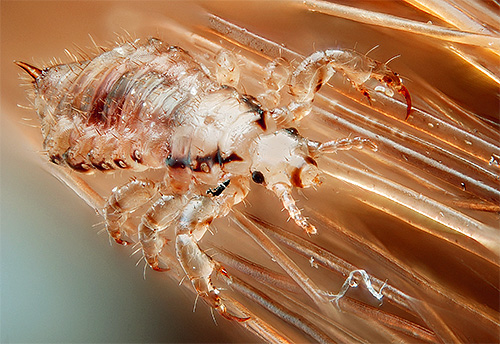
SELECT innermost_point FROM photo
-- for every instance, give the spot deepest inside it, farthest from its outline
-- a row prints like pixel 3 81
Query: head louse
pixel 149 105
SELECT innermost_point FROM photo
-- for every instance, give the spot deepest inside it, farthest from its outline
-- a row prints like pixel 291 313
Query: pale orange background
pixel 60 281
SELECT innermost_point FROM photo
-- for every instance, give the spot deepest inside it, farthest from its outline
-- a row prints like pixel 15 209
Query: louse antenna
pixel 283 192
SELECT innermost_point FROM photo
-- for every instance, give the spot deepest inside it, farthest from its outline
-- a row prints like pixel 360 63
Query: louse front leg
pixel 317 69
pixel 198 266
pixel 123 201
pixel 277 73
pixel 346 143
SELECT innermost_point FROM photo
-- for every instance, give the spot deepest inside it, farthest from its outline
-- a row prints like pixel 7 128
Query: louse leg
pixel 346 143
pixel 317 69
pixel 192 224
pixel 161 214
pixel 276 77
pixel 199 267
pixel 123 201
pixel 227 71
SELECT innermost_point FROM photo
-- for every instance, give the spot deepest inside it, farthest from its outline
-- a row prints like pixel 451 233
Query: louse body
pixel 148 105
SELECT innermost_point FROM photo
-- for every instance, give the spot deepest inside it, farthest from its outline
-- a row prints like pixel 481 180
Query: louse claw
pixel 223 311
pixel 392 80
pixel 404 91
pixel 221 308
pixel 214 300
pixel 122 242
pixel 156 267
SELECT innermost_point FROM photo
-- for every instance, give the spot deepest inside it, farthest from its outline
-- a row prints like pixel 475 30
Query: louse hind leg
pixel 123 201
pixel 317 69
pixel 192 224
pixel 157 219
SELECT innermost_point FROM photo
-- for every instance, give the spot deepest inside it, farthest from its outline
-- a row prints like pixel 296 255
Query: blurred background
pixel 62 282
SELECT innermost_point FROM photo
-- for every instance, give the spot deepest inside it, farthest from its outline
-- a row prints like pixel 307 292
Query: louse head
pixel 284 158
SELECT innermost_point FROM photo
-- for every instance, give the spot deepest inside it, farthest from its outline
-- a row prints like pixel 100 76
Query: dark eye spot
pixel 258 177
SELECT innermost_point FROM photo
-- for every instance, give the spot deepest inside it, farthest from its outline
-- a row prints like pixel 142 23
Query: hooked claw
pixel 214 300
pixel 392 80
pixel 223 311
pixel 221 308
pixel 121 241
pixel 404 91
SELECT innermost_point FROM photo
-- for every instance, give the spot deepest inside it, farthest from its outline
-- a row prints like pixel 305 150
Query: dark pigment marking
pixel 258 177
pixel 219 189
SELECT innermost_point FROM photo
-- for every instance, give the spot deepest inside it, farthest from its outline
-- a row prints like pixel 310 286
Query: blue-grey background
pixel 61 282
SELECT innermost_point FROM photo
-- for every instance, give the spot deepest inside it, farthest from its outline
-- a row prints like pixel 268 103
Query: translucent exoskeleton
pixel 147 105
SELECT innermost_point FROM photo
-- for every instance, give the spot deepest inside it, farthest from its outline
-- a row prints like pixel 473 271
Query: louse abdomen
pixel 118 109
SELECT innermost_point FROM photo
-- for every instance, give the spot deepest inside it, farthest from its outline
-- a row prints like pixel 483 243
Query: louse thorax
pixel 283 159
pixel 214 141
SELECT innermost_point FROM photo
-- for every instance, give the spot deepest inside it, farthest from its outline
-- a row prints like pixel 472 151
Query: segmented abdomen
pixel 119 109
